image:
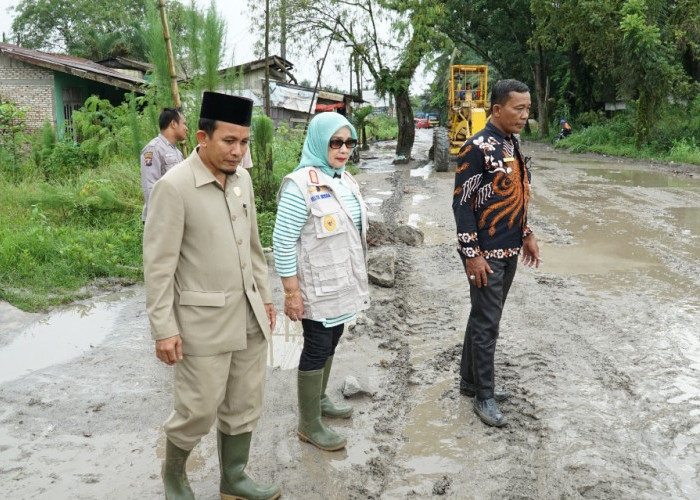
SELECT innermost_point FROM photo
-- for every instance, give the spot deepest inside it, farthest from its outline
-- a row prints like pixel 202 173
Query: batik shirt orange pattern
pixel 492 190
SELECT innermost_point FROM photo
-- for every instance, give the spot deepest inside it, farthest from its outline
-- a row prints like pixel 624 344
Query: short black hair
pixel 208 125
pixel 168 115
pixel 501 91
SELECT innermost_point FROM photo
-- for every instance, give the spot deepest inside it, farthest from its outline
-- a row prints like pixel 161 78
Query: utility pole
pixel 267 57
pixel 319 66
pixel 171 64
pixel 283 29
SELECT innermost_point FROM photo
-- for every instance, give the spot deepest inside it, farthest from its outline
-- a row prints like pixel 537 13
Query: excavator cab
pixel 467 111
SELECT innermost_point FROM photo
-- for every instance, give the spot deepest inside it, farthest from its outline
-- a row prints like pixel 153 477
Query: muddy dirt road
pixel 600 347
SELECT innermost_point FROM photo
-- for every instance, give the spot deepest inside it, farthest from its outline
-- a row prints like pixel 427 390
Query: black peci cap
pixel 226 108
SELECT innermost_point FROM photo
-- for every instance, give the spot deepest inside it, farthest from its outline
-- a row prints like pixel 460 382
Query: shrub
pixel 266 223
pixel 385 127
pixel 44 144
pixel 13 138
pixel 67 160
pixel 262 131
pixel 685 150
pixel 286 150
pixel 108 131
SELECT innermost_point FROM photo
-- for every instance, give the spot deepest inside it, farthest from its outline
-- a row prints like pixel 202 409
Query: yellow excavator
pixel 467 112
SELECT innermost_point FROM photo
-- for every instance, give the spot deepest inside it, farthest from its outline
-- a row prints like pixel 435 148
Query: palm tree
pixel 362 121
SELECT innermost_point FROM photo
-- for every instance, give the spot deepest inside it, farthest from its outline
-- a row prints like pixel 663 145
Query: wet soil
pixel 600 348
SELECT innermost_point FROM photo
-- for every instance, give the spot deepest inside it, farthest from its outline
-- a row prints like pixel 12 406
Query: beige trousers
pixel 228 387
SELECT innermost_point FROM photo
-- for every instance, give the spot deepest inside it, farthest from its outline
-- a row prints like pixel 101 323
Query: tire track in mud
pixel 442 366
pixel 589 401
pixel 414 310
pixel 389 318
pixel 590 367
pixel 553 346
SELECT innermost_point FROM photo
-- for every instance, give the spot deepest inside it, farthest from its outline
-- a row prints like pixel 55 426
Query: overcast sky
pixel 240 43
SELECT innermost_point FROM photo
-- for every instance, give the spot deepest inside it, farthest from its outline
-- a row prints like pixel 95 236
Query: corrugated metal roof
pixel 76 66
pixel 119 62
pixel 331 96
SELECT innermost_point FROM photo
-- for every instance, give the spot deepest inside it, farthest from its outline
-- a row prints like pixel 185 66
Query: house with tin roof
pixel 52 86
pixel 290 104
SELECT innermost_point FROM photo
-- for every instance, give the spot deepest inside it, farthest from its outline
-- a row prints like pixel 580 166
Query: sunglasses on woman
pixel 338 143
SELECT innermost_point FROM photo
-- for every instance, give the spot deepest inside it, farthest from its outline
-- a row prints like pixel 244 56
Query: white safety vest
pixel 331 254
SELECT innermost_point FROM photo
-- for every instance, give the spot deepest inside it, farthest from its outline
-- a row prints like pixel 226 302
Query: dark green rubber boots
pixel 311 429
pixel 328 407
pixel 235 483
pixel 177 487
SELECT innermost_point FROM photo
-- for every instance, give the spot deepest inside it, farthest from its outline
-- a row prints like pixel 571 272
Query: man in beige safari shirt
pixel 208 299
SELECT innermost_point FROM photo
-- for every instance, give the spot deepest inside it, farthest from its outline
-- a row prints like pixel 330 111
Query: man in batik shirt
pixel 492 190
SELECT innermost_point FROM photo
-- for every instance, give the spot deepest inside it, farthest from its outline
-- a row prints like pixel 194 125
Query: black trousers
pixel 477 366
pixel 319 344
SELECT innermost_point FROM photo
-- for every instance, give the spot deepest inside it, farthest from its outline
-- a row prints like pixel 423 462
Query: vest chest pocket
pixel 331 273
pixel 328 223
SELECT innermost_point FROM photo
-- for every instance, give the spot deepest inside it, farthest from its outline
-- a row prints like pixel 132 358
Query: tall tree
pixel 500 34
pixel 684 23
pixel 199 53
pixel 72 27
pixel 394 37
pixel 586 34
pixel 629 49
pixel 649 64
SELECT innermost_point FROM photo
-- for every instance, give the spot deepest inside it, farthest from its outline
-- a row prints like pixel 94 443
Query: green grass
pixel 81 229
pixel 686 150
pixel 676 136
pixel 63 234
pixel 598 139
pixel 58 238
pixel 384 128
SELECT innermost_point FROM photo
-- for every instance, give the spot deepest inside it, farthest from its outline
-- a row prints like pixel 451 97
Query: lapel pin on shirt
pixel 237 190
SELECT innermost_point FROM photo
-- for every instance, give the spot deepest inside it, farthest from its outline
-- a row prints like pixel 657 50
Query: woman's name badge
pixel 237 190
pixel 508 158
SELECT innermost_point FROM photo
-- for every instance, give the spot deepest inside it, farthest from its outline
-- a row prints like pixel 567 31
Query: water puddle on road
pixel 595 254
pixel 434 444
pixel 609 241
pixel 423 171
pixel 62 336
pixel 586 161
pixel 687 219
pixel 378 166
pixel 642 178
pixel 592 245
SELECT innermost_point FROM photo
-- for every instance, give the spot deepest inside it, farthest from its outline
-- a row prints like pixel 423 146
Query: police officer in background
pixel 161 154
